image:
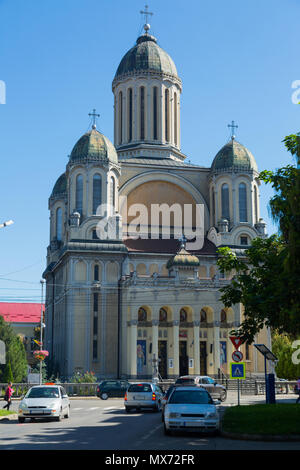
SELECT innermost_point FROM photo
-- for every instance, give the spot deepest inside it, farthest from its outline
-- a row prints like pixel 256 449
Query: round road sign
pixel 237 356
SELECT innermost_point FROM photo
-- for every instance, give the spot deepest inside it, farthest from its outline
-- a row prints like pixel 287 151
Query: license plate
pixel 36 412
pixel 139 398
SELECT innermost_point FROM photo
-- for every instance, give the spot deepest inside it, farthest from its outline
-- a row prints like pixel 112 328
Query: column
pixel 133 343
pixel 155 340
pixel 196 348
pixel 216 347
pixel 176 348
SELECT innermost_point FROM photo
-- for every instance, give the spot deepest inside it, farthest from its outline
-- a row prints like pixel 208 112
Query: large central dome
pixel 146 55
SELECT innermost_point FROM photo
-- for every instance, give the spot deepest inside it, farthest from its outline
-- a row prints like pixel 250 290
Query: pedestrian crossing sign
pixel 237 371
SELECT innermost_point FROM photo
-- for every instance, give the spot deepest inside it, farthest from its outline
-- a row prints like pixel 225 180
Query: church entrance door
pixel 162 356
pixel 183 358
pixel 203 358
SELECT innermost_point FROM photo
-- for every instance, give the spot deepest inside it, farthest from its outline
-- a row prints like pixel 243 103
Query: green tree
pixel 15 352
pixel 283 350
pixel 7 374
pixel 268 276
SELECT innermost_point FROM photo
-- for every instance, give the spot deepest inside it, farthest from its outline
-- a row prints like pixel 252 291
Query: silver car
pixel 190 409
pixel 143 395
pixel 215 389
pixel 44 401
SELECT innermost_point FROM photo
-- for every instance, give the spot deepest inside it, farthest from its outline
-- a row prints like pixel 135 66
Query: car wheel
pixel 21 420
pixel 127 409
pixel 223 395
pixel 67 415
pixel 104 396
pixel 58 418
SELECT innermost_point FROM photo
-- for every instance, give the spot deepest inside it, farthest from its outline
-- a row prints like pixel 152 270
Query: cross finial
pixel 146 13
pixel 94 115
pixel 182 241
pixel 233 126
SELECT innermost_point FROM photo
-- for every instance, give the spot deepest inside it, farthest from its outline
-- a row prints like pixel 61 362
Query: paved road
pixel 96 424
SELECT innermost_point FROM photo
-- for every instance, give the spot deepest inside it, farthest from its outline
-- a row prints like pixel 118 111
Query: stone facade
pixel 116 303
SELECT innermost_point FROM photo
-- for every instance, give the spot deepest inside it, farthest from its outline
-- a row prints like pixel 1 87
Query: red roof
pixel 21 313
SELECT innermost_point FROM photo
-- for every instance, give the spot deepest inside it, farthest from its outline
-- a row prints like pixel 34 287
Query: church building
pixel 128 287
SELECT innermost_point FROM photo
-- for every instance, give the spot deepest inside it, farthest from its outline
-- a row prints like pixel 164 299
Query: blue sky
pixel 237 61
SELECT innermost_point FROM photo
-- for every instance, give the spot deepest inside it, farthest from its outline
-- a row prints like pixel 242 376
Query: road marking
pixel 95 408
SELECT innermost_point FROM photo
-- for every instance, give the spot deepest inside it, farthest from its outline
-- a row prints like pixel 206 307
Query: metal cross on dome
pixel 146 13
pixel 94 115
pixel 233 126
pixel 182 241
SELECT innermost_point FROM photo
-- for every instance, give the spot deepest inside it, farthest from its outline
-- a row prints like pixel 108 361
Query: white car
pixel 44 401
pixel 191 409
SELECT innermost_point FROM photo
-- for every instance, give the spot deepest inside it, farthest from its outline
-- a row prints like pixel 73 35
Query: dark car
pixel 112 388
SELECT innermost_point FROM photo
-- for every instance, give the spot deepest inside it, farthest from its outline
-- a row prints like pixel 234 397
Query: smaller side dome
pixel 183 259
pixel 93 146
pixel 234 156
pixel 60 186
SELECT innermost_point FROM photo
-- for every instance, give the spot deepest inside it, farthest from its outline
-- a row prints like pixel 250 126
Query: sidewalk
pixel 232 399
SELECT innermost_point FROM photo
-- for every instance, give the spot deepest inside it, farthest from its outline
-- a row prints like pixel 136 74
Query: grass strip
pixel 273 419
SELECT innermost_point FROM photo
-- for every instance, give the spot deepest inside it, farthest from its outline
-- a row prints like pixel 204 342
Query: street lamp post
pixel 41 326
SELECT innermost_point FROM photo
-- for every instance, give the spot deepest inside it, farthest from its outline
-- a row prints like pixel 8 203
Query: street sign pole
pixel 238 381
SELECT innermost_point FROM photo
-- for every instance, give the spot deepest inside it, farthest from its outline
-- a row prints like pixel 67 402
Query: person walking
pixel 7 397
pixel 298 390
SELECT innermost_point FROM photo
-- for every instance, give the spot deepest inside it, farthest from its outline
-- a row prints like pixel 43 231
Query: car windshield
pixel 192 397
pixel 43 392
pixel 209 380
pixel 140 388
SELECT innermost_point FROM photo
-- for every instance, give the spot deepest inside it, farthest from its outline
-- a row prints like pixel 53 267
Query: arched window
pixel 163 315
pixel 130 116
pixel 155 113
pixel 58 228
pixel 183 316
pixel 203 316
pixel 120 117
pixel 175 118
pixel 112 192
pixel 96 272
pixel 255 206
pixel 225 201
pixel 167 121
pixel 213 201
pixel 243 202
pixel 142 314
pixel 142 113
pixel 223 316
pixel 97 189
pixel 79 193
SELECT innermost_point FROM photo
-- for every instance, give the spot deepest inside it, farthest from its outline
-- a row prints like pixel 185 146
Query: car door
pixel 208 385
pixel 64 400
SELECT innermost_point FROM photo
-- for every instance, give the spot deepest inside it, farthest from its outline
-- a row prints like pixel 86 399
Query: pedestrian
pixel 7 397
pixel 298 390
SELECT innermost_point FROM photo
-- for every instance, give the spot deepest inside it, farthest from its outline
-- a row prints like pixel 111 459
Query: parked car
pixel 190 409
pixel 112 388
pixel 216 390
pixel 44 401
pixel 143 395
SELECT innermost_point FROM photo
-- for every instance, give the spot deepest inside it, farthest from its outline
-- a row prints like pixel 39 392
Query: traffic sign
pixel 237 370
pixel 237 356
pixel 236 341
